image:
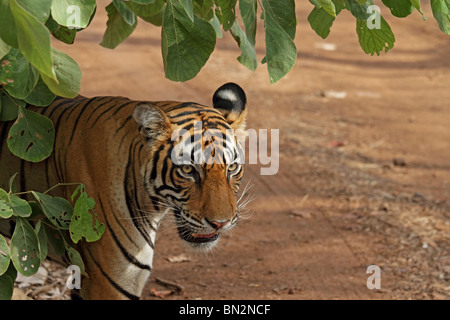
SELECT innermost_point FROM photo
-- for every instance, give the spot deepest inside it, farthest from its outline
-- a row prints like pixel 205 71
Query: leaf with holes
pixel 32 136
pixel 84 220
pixel 58 210
pixel 25 248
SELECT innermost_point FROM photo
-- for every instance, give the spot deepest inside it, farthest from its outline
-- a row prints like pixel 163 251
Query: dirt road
pixel 364 163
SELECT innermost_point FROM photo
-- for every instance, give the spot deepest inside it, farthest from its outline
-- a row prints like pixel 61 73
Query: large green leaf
pixel 41 95
pixel 33 39
pixel 248 10
pixel 326 5
pixel 441 12
pixel 6 287
pixel 4 255
pixel 152 12
pixel 127 14
pixel 62 33
pixel 84 220
pixel 58 210
pixel 31 137
pixel 40 9
pixel 399 8
pixel 68 75
pixel 375 40
pixel 17 75
pixel 9 106
pixel 117 29
pixel 73 13
pixel 8 30
pixel 248 56
pixel 225 11
pixel 320 21
pixel 24 248
pixel 281 52
pixel 185 45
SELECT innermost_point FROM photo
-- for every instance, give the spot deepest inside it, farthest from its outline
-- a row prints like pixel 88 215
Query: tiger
pixel 122 151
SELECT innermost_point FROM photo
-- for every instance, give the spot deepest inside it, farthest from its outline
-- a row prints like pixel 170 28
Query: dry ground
pixel 364 163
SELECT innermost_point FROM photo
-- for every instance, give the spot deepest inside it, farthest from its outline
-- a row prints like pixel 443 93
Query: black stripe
pixel 112 282
pixel 83 108
pixel 108 109
pixel 126 254
pixel 130 195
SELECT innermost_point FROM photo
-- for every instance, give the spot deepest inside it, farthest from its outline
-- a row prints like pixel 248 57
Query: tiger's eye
pixel 232 167
pixel 186 168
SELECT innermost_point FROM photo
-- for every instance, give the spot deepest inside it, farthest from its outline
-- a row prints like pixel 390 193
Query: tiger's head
pixel 195 162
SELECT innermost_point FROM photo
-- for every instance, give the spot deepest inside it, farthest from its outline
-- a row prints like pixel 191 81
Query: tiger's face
pixel 195 162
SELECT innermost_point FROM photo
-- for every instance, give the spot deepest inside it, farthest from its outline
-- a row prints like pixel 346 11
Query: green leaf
pixel 204 9
pixel 58 210
pixel 9 106
pixel 189 8
pixel 416 4
pixel 8 30
pixel 42 237
pixel 375 40
pixel 185 45
pixel 248 10
pixel 126 13
pixel 279 21
pixel 84 220
pixel 359 10
pixel 18 76
pixel 18 206
pixel 441 12
pixel 40 9
pixel 75 258
pixel 68 76
pixel 152 13
pixel 117 29
pixel 24 248
pixel 41 95
pixel 5 208
pixel 321 22
pixel 6 287
pixel 56 241
pixel 31 137
pixel 225 11
pixel 248 56
pixel 4 255
pixel 33 39
pixel 73 13
pixel 326 5
pixel 4 49
pixel 399 8
pixel 216 25
pixel 62 33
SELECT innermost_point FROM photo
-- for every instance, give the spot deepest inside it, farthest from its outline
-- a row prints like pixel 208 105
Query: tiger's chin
pixel 197 241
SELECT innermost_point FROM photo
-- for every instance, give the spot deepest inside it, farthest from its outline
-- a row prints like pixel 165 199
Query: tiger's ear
pixel 153 123
pixel 231 101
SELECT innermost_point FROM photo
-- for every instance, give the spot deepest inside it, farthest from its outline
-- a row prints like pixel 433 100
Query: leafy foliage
pixel 40 225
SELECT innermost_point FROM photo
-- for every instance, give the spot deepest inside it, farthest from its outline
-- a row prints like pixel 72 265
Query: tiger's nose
pixel 217 224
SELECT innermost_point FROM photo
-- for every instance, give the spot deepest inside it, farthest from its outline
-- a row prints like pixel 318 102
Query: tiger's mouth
pixel 189 236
